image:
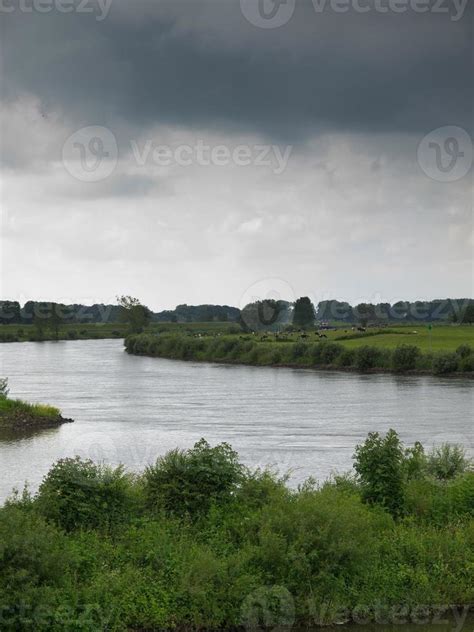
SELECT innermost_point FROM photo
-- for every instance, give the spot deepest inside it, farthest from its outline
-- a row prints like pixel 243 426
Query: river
pixel 132 409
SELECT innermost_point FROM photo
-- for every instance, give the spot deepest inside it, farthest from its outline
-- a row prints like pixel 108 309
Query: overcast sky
pixel 236 149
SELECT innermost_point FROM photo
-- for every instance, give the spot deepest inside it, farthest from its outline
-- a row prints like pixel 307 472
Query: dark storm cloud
pixel 203 65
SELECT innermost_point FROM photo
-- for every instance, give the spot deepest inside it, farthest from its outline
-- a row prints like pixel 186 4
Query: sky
pixel 219 151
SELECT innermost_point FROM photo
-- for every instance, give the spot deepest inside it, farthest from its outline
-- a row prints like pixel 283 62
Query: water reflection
pixel 15 435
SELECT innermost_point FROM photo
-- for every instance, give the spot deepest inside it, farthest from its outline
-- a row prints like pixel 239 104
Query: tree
pixel 364 312
pixel 267 315
pixel 56 318
pixel 468 316
pixel 132 312
pixel 304 314
pixel 380 465
pixel 39 324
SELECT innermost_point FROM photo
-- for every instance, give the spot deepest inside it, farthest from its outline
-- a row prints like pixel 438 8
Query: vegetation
pixel 95 331
pixel 40 312
pixel 336 351
pixel 198 541
pixel 15 413
pixel 304 314
pixel 133 313
pixel 460 311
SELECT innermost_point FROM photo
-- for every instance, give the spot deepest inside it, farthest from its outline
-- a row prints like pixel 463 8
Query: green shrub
pixel 188 482
pixel 405 358
pixel 379 464
pixel 325 353
pixel 34 564
pixel 368 358
pixel 444 363
pixel 431 502
pixel 299 350
pixel 347 358
pixel 464 351
pixel 276 356
pixel 78 493
pixel 256 551
pixel 466 363
pixel 447 461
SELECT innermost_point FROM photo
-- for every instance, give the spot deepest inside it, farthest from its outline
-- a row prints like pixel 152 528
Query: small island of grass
pixel 16 414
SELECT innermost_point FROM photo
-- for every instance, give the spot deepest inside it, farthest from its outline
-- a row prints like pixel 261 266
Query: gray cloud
pixel 202 64
pixel 352 216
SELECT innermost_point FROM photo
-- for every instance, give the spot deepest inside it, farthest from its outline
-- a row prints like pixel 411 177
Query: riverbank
pixel 18 415
pixel 326 354
pixel 104 331
pixel 198 541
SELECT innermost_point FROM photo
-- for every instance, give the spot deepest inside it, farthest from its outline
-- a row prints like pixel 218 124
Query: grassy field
pixel 441 338
pixel 450 350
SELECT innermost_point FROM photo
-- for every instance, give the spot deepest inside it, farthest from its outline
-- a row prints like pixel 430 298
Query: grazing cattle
pixel 361 329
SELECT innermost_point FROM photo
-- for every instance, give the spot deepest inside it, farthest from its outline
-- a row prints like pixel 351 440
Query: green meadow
pixel 441 351
pixel 439 338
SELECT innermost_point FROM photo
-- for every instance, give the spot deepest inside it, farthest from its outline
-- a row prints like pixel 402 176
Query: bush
pixel 429 501
pixel 256 552
pixel 72 335
pixel 78 493
pixel 346 358
pixel 464 351
pixel 466 358
pixel 299 350
pixel 34 563
pixel 447 461
pixel 405 358
pixel 276 356
pixel 326 352
pixel 8 337
pixel 379 463
pixel 466 363
pixel 188 482
pixel 368 358
pixel 445 363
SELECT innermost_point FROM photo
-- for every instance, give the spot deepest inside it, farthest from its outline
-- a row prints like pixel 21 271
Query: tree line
pixel 13 313
pixel 267 314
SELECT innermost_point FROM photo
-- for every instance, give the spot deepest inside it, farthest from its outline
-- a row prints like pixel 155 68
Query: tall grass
pixel 17 406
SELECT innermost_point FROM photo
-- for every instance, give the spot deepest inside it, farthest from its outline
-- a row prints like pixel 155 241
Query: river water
pixel 131 409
